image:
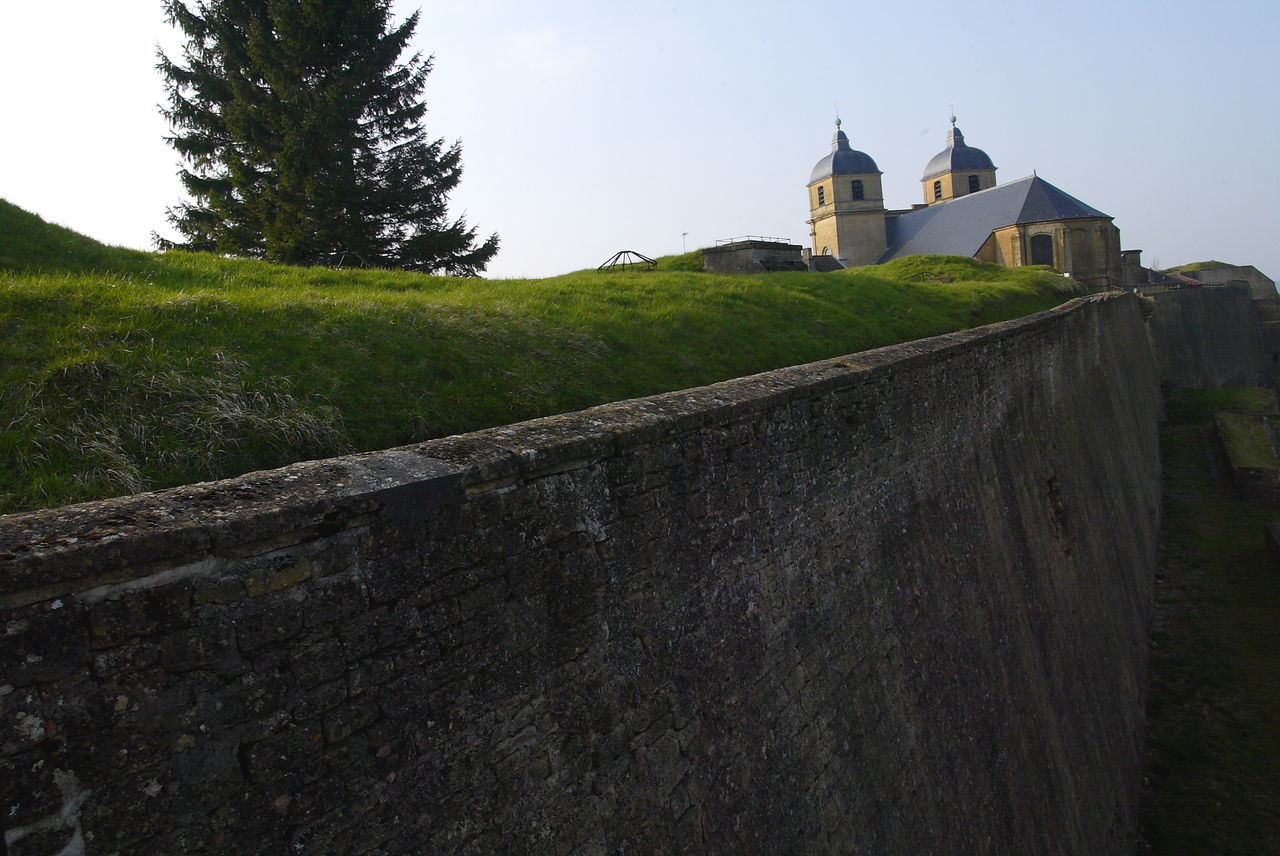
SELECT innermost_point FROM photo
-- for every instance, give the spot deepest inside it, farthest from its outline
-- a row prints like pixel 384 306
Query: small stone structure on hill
pixel 752 254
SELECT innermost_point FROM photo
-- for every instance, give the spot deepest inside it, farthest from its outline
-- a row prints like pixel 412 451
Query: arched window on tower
pixel 973 184
pixel 857 189
pixel 1042 250
pixel 822 196
pixel 937 190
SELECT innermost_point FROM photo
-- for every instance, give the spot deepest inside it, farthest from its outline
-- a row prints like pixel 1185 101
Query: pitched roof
pixel 959 227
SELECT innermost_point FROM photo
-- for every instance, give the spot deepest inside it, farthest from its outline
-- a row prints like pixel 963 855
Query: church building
pixel 964 213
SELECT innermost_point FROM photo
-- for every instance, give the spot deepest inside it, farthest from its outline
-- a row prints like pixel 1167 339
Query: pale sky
pixel 589 128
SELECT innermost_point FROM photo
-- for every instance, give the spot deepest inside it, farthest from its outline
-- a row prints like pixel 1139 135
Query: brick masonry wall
pixel 890 603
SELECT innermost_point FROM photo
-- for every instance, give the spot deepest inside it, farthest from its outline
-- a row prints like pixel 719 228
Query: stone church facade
pixel 965 212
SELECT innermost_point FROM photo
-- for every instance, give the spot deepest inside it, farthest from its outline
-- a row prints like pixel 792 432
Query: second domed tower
pixel 957 170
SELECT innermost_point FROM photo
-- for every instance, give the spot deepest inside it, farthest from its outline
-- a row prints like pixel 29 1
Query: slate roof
pixel 958 155
pixel 843 160
pixel 960 226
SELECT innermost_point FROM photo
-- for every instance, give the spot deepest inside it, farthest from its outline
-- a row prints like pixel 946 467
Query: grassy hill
pixel 1193 266
pixel 123 371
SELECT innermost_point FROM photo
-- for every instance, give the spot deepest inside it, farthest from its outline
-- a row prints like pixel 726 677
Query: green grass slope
pixel 122 370
pixel 28 243
pixel 1212 264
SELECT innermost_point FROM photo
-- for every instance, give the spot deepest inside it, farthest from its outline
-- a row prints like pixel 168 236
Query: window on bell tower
pixel 822 196
pixel 857 189
pixel 973 184
pixel 937 190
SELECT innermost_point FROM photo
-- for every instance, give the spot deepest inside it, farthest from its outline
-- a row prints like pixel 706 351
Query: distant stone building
pixel 1261 286
pixel 1139 278
pixel 965 212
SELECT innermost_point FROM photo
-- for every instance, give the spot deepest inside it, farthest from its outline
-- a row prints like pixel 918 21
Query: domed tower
pixel 846 205
pixel 957 170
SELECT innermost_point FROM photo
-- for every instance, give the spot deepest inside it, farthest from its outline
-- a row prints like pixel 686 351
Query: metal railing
pixel 720 242
pixel 1160 287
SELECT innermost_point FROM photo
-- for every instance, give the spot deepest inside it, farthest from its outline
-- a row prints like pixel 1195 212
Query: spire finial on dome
pixel 839 140
pixel 954 137
pixel 958 155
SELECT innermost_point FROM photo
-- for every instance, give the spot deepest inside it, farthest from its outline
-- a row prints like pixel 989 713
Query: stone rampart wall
pixel 890 603
pixel 1211 336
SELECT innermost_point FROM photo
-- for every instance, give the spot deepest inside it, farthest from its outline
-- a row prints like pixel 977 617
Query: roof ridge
pixel 1060 205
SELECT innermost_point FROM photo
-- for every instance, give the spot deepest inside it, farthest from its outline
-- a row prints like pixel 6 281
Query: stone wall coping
pixel 54 552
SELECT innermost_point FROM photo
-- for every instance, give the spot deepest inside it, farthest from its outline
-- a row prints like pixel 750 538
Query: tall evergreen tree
pixel 302 139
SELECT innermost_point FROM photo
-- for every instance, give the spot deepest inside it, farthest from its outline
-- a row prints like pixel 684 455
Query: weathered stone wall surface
pixel 753 257
pixel 1270 340
pixel 1255 467
pixel 1208 337
pixel 890 603
pixel 1261 286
